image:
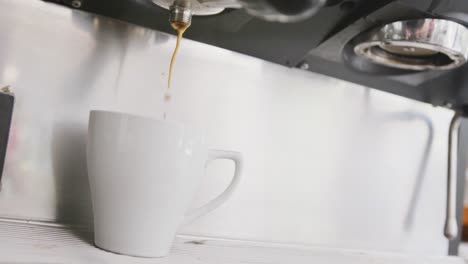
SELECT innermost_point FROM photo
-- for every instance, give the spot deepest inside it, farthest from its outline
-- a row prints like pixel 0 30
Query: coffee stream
pixel 180 27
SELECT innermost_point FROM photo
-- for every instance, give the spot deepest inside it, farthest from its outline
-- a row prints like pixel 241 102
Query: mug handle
pixel 224 196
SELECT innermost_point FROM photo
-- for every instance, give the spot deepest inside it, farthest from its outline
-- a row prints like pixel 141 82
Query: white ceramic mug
pixel 143 175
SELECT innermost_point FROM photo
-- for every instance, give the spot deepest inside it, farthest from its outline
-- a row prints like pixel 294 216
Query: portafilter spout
pixel 180 14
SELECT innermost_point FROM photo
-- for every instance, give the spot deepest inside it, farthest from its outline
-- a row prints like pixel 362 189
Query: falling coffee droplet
pixel 167 97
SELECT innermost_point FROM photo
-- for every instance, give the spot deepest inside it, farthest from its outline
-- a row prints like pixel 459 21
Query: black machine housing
pixel 6 112
pixel 322 43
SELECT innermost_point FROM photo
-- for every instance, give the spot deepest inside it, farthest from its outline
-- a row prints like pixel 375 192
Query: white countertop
pixel 463 251
pixel 32 243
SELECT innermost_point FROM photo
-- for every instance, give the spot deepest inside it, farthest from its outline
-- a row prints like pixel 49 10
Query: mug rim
pixel 136 116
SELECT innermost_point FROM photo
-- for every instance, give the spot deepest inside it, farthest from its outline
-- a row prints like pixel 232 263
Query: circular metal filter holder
pixel 419 45
pixel 197 8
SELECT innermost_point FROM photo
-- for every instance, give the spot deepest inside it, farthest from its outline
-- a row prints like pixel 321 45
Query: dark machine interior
pixel 321 44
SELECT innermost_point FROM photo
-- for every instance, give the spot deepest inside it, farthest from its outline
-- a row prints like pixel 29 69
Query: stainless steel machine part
pixel 424 44
pixel 451 224
pixel 180 13
pixel 271 11
pixel 200 7
pixel 265 9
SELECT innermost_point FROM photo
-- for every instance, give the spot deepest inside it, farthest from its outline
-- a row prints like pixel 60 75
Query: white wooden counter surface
pixel 32 243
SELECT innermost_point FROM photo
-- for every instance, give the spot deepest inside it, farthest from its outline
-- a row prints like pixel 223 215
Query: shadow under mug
pixel 143 175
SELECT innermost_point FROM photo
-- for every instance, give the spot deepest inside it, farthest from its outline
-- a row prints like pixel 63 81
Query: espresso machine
pixel 406 47
pixel 410 48
pixel 414 49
